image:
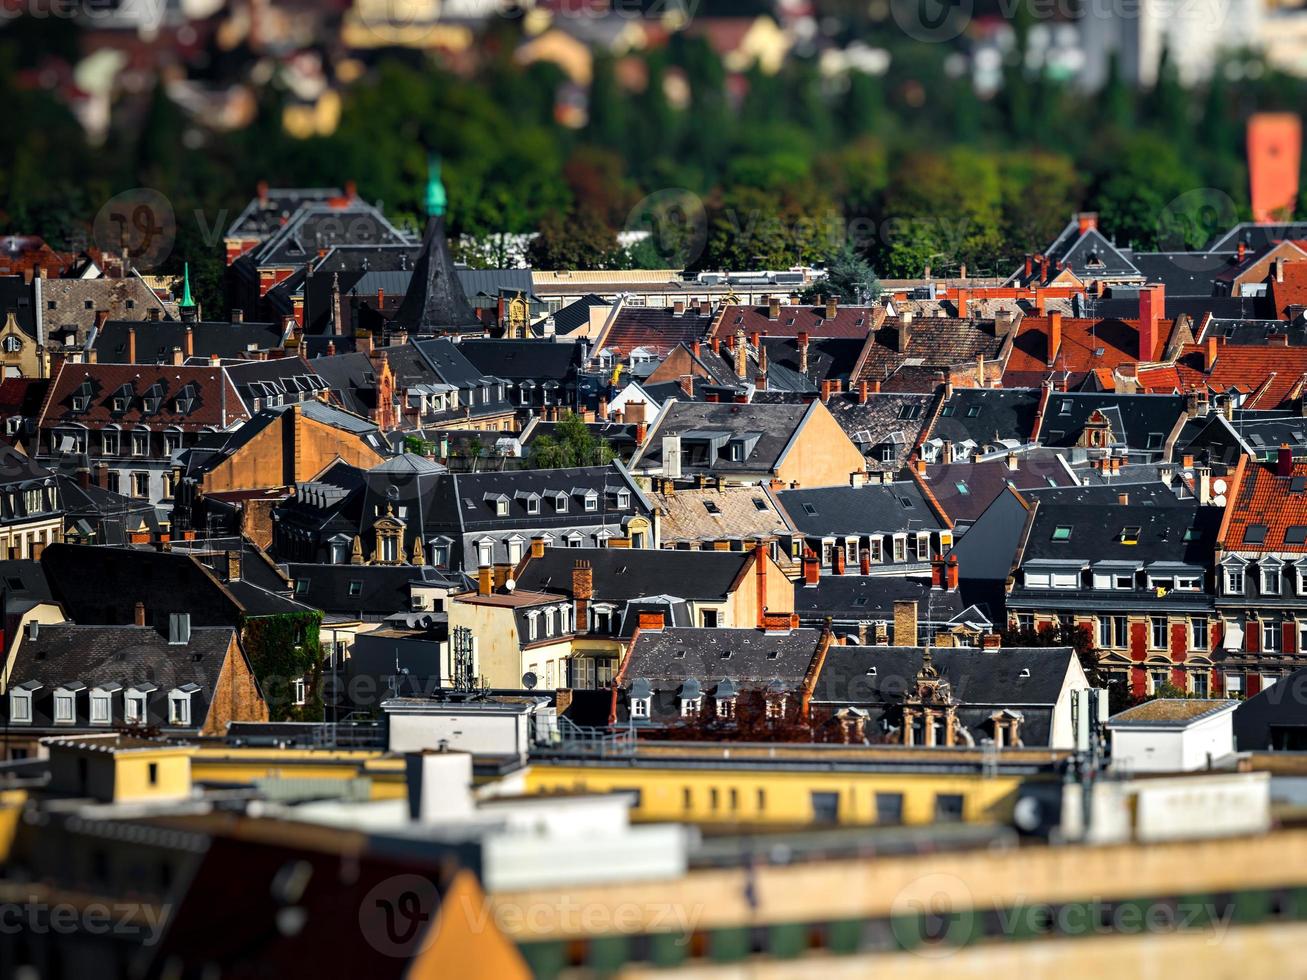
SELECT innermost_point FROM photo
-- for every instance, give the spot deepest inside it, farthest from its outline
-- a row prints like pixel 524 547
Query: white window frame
pixel 1233 580
pixel 65 708
pixel 1272 637
pixel 136 707
pixel 1269 579
pixel 298 692
pixel 101 702
pixel 18 696
pixel 1194 633
pixel 179 710
pixel 640 707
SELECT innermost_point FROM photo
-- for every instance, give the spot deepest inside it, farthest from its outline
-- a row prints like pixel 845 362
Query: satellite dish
pixel 1028 814
pixel 509 584
pixel 1218 486
pixel 1219 500
pixel 529 680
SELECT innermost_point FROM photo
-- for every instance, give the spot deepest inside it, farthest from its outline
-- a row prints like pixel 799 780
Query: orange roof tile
pixel 1263 500
pixel 1082 340
pixel 1292 291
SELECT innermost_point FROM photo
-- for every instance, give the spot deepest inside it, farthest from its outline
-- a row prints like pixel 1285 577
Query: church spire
pixel 435 302
pixel 187 306
pixel 436 199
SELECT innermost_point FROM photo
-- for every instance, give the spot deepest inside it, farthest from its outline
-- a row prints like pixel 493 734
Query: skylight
pixel 1129 535
pixel 1297 534
pixel 1061 533
pixel 810 510
pixel 973 411
pixel 1254 534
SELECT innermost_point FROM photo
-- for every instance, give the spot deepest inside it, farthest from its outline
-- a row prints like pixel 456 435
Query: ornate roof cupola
pixel 435 302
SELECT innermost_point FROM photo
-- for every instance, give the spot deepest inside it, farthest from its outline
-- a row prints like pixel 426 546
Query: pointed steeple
pixel 435 301
pixel 188 305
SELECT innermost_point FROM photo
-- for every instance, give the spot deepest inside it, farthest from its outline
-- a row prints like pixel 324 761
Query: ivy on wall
pixel 282 648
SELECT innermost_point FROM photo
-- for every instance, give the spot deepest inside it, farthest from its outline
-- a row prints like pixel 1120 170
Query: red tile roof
pixel 654 328
pixel 1267 375
pixel 1292 291
pixel 1260 498
pixel 849 321
pixel 1082 338
pixel 215 399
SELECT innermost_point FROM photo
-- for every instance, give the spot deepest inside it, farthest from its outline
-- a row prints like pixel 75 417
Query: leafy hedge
pixel 282 648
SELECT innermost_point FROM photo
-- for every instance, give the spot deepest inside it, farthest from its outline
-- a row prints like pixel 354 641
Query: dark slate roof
pixel 987 416
pixel 896 418
pixel 435 300
pixel 525 360
pixel 96 516
pixel 16 296
pixel 965 488
pixel 265 214
pixel 869 509
pixel 102 586
pixel 1089 254
pixel 156 339
pixel 622 573
pixel 289 379
pixel 1182 273
pixel 1255 332
pixel 1258 236
pixel 713 655
pixel 125 655
pixel 828 357
pixel 871 597
pixel 1021 679
pixel 576 315
pixel 352 379
pixel 1122 305
pixel 773 425
pixel 22 585
pixel 977 676
pixel 466 500
pixel 987 549
pixel 1140 422
pixel 318 226
pixel 380 589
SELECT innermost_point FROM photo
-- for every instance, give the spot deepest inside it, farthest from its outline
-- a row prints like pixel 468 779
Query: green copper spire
pixel 187 299
pixel 435 189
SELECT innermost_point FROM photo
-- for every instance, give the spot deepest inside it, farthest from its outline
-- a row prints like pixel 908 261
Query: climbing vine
pixel 283 648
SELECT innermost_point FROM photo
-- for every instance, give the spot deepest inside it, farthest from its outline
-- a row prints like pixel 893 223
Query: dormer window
pixel 135 704
pixel 623 499
pixel 20 702
pixel 501 507
pixel 591 502
pixel 180 713
pixel 1270 580
pixel 102 704
pixel 560 503
pixel 533 504
pixel 640 707
pixel 120 404
pixel 140 443
pixel 1234 584
pixel 65 704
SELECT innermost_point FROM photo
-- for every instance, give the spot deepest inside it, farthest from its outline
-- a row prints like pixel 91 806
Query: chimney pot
pixel 140 614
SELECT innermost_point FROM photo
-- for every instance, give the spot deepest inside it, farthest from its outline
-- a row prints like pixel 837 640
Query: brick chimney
pixel 537 547
pixel 1054 336
pixel 832 307
pixel 1152 308
pixel 951 573
pixel 864 562
pixel 991 641
pixel 140 614
pixel 485 580
pixel 1242 252
pixel 905 622
pixel 131 345
pixel 237 316
pixel 654 620
pixel 773 308
pixel 937 572
pixel 811 567
pixel 1087 221
pixel 963 302
pixel 862 392
pixel 827 387
pixel 1209 354
pixel 1284 460
pixel 678 307
pixel 837 560
pixel 233 566
pixel 582 593
pixel 802 340
pixel 741 354
pixel 903 332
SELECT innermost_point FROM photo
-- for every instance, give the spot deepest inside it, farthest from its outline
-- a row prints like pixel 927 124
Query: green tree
pixel 572 444
pixel 849 278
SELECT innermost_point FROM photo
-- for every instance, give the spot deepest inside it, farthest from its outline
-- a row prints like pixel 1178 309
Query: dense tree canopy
pixel 910 168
